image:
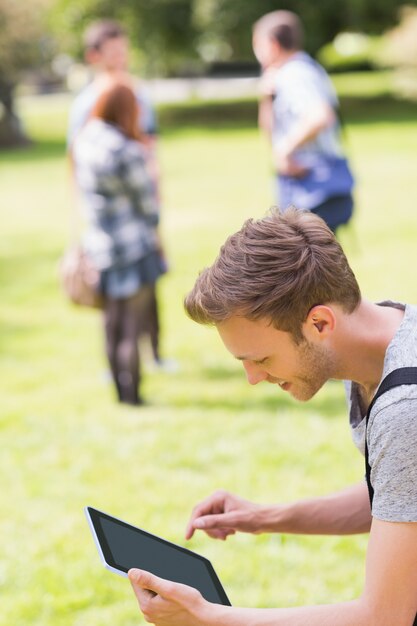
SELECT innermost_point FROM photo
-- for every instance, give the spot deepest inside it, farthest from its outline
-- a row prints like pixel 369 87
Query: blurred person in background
pixel 121 210
pixel 298 111
pixel 107 53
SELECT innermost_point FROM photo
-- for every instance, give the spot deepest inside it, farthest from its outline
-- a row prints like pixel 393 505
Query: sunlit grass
pixel 66 443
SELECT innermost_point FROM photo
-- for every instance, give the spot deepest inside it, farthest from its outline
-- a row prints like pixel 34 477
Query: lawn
pixel 66 443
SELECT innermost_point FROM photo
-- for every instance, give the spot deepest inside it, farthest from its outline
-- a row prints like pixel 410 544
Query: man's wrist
pixel 274 518
pixel 288 147
pixel 214 615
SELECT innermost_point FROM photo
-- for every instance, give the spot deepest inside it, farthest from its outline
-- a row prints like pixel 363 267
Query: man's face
pixel 113 55
pixel 272 355
pixel 266 50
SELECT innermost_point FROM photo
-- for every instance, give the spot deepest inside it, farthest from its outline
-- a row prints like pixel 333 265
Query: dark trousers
pixel 149 323
pixel 335 211
pixel 122 322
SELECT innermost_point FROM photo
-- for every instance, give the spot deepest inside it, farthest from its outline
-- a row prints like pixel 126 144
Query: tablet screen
pixel 125 546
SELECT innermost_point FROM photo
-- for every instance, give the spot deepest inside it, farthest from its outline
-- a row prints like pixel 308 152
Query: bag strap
pixel 75 218
pixel 400 376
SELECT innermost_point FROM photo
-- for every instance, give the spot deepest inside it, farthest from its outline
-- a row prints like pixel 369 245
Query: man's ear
pixel 319 323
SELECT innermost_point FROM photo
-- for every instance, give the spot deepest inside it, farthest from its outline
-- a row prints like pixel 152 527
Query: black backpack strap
pixel 401 376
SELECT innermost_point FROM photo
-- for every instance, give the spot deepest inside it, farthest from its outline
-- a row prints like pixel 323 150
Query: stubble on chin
pixel 318 369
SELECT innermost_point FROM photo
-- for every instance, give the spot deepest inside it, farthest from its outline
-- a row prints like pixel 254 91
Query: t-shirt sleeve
pixel 392 443
pixel 78 116
pixel 147 115
pixel 307 88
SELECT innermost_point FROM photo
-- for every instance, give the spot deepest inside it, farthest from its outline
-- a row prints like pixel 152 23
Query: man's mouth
pixel 281 383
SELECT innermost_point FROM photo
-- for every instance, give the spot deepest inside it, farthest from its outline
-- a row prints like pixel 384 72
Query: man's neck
pixel 282 58
pixel 363 339
pixel 105 78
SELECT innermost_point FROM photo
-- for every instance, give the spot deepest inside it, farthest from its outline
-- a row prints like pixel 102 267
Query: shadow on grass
pixel 377 109
pixel 217 116
pixel 208 115
pixel 37 150
pixel 231 115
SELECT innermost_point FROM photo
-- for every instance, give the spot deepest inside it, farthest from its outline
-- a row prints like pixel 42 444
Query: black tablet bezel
pixel 94 515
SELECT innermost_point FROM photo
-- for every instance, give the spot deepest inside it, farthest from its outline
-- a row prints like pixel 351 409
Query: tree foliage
pixel 171 31
pixel 401 49
pixel 21 34
pixel 400 52
pixel 23 46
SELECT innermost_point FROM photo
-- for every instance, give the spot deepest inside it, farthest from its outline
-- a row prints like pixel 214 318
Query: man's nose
pixel 254 373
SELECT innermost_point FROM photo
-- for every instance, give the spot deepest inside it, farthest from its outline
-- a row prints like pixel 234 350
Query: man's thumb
pixel 146 580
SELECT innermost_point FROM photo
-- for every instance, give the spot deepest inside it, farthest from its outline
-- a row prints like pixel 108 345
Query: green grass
pixel 66 443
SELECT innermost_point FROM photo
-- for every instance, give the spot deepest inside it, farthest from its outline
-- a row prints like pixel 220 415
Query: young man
pixel 107 53
pixel 286 303
pixel 298 111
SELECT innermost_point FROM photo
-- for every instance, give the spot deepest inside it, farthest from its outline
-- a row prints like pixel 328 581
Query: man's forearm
pixel 353 613
pixel 343 513
pixel 309 128
pixel 265 116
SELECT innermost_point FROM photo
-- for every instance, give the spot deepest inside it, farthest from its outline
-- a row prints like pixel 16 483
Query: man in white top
pixel 299 112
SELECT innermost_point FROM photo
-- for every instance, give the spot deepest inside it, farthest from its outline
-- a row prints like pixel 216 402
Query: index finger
pixel 207 506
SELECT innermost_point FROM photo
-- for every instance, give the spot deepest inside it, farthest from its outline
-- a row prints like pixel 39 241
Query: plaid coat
pixel 120 205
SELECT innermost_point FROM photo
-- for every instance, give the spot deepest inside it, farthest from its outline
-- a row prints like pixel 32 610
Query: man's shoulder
pixel 392 445
pixel 302 64
pixel 302 74
pixel 79 111
pixel 395 412
pixel 85 97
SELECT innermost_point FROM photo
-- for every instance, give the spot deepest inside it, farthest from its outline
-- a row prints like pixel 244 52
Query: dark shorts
pixel 124 282
pixel 335 211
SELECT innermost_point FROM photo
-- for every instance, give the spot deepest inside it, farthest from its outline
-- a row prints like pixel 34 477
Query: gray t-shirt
pixel 392 429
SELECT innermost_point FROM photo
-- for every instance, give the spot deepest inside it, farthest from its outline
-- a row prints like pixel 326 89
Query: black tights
pixel 149 324
pixel 122 321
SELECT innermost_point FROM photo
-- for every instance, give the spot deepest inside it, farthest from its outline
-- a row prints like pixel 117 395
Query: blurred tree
pixel 401 42
pixel 22 47
pixel 400 52
pixel 162 29
pixel 231 20
pixel 170 32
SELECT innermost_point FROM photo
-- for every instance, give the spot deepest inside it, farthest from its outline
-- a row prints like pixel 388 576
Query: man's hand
pixel 389 596
pixel 222 514
pixel 322 116
pixel 286 165
pixel 267 82
pixel 165 603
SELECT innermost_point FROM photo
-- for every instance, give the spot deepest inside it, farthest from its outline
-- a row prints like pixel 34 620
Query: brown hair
pixel 275 268
pixel 283 26
pixel 117 105
pixel 101 31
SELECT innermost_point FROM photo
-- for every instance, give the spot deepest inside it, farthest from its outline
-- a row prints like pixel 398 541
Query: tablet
pixel 122 546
